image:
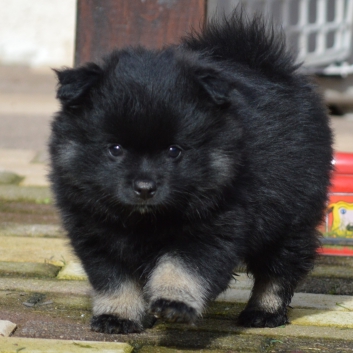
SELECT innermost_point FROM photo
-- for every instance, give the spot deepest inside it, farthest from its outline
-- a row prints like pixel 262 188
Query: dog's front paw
pixel 173 311
pixel 112 324
pixel 260 318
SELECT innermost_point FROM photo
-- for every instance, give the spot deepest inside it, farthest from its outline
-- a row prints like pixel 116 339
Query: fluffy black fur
pixel 171 167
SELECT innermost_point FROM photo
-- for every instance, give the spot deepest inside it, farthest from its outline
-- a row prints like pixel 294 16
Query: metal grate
pixel 319 31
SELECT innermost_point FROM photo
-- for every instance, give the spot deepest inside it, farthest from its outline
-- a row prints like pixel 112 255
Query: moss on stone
pixel 7 177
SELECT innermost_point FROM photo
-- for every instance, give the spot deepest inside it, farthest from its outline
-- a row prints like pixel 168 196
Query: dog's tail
pixel 252 42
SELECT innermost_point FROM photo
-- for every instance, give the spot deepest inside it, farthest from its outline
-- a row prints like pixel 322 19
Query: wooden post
pixel 103 25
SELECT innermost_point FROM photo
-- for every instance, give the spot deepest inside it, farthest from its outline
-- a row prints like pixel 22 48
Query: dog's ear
pixel 214 83
pixel 74 84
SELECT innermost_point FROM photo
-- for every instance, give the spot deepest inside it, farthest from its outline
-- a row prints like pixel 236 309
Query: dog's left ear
pixel 214 83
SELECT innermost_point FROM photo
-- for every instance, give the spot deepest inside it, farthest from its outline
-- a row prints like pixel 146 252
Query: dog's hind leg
pixel 267 306
pixel 277 272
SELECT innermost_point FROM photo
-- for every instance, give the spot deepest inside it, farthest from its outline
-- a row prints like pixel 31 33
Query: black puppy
pixel 172 166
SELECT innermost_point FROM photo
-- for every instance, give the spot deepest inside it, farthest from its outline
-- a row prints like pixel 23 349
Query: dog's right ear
pixel 74 84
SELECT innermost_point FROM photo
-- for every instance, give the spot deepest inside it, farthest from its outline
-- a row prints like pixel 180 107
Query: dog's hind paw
pixel 259 318
pixel 173 311
pixel 107 323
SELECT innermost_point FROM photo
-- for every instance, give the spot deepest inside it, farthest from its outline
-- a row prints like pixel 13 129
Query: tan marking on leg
pixel 265 296
pixel 127 302
pixel 172 280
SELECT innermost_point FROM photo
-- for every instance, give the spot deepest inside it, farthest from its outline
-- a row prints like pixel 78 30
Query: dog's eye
pixel 174 151
pixel 115 150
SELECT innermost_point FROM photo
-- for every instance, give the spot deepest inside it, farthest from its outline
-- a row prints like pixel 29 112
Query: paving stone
pixel 294 345
pixel 303 345
pixel 41 157
pixel 345 261
pixel 19 161
pixel 28 269
pixel 332 272
pixel 25 213
pixel 44 285
pixel 39 194
pixel 335 269
pixel 322 285
pixel 6 328
pixel 39 250
pixel 332 312
pixel 300 300
pixel 32 230
pixel 310 317
pixel 16 156
pixel 291 330
pixel 323 301
pixel 55 304
pixel 28 103
pixel 30 345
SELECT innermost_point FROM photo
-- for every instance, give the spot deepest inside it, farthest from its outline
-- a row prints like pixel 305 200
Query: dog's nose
pixel 145 188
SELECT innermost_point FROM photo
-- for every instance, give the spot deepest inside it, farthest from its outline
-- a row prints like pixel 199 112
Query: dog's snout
pixel 145 189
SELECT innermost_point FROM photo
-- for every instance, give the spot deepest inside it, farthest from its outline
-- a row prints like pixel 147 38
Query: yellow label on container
pixel 342 218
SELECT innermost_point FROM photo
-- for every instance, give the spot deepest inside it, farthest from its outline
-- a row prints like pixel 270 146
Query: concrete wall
pixel 38 32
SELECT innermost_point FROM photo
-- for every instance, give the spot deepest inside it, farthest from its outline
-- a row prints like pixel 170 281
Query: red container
pixel 343 163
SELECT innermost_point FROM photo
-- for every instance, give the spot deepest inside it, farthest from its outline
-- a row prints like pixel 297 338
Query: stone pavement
pixel 45 293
